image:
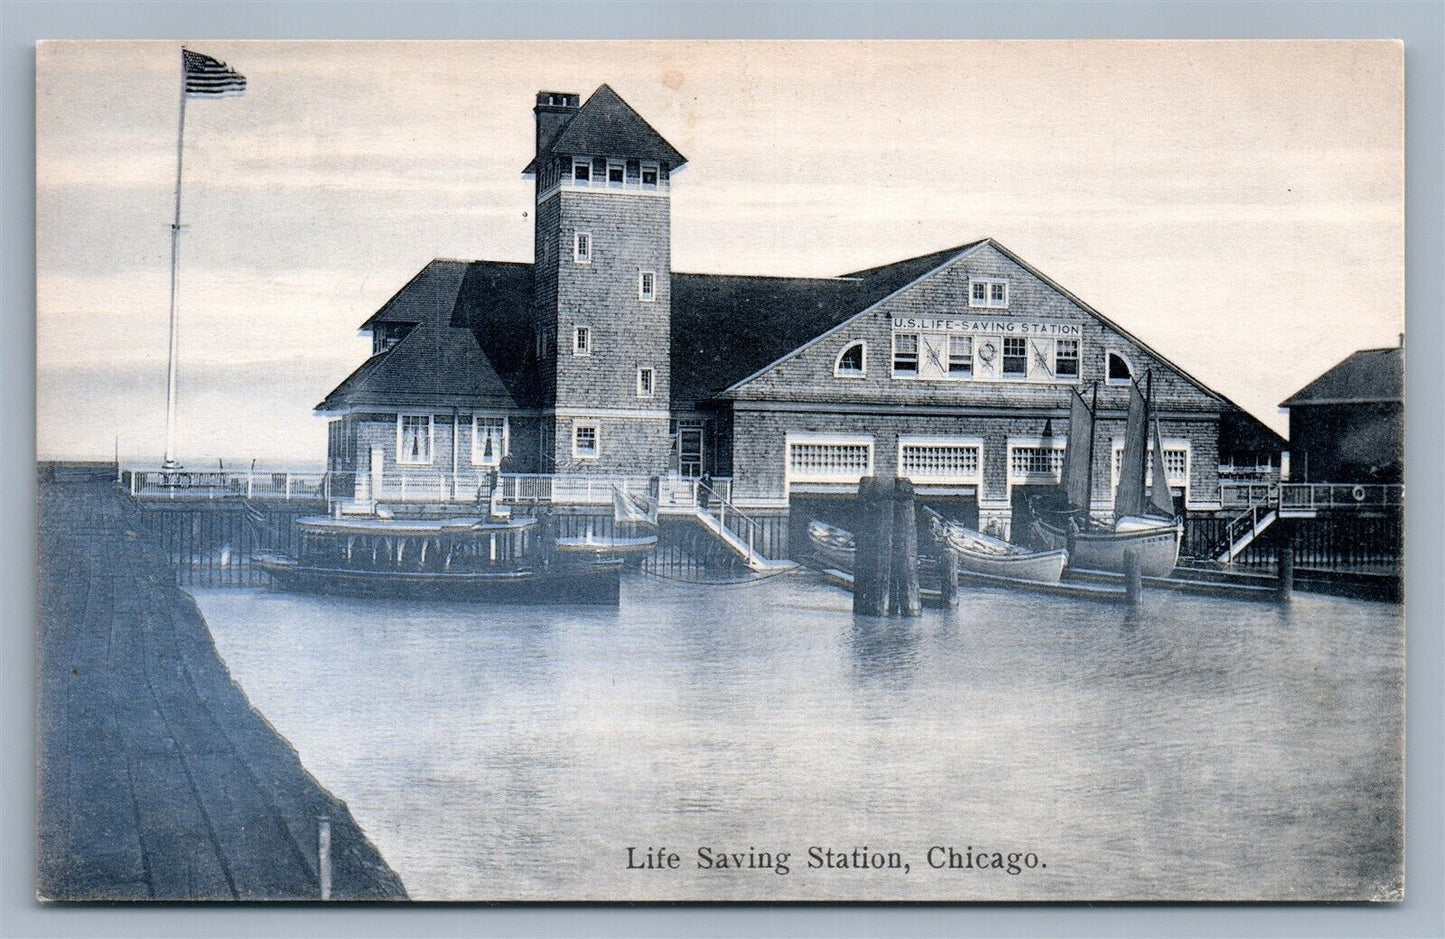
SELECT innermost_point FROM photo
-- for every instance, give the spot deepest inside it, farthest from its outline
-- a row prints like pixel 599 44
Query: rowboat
pixel 456 559
pixel 984 554
pixel 832 545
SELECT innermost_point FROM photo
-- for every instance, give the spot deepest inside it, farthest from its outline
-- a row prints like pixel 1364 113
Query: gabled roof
pixel 432 286
pixel 1370 376
pixel 606 125
pixel 727 328
pixel 438 364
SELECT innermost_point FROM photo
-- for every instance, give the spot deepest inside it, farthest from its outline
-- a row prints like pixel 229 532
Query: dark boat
pixel 456 559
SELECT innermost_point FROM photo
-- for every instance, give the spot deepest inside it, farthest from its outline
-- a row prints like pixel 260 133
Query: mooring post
pixel 1284 563
pixel 1133 577
pixel 873 547
pixel 323 854
pixel 546 536
pixel 904 589
pixel 947 569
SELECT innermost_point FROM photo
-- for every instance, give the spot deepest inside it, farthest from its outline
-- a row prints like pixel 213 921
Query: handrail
pixel 753 526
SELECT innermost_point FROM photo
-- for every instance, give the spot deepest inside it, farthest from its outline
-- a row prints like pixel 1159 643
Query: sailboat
pixel 1143 517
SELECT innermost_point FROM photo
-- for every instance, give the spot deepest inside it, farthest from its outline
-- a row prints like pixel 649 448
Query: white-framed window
pixel 582 340
pixel 991 294
pixel 828 458
pixel 582 247
pixel 649 176
pixel 852 362
pixel 1118 370
pixel 939 460
pixel 581 171
pixel 905 354
pixel 960 356
pixel 644 382
pixel 491 439
pixel 646 286
pixel 616 173
pixel 414 434
pixel 1066 359
pixel 1035 461
pixel 586 441
pixel 1015 357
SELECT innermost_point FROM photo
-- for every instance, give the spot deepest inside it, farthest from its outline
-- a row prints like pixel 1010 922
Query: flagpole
pixel 170 458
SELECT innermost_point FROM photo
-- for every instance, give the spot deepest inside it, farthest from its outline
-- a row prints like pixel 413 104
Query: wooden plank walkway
pixel 157 780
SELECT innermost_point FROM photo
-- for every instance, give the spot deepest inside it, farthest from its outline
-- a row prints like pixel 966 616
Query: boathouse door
pixel 378 463
pixel 689 447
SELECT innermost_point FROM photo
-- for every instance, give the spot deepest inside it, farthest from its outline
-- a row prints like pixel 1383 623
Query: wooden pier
pixel 157 780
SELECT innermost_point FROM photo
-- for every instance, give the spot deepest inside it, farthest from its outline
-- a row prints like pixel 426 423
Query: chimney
pixel 554 109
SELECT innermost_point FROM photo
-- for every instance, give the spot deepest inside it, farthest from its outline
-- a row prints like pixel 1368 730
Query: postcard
pixel 720 471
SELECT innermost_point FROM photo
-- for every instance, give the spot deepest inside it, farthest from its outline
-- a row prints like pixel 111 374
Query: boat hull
pixel 1045 567
pixel 1158 547
pixel 607 547
pixel 596 583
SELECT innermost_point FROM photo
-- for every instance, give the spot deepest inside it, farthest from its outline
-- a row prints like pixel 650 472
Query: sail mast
pixel 1089 475
pixel 170 457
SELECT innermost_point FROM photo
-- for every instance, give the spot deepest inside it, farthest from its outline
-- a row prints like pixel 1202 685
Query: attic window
pixel 988 293
pixel 1119 371
pixel 649 175
pixel 852 361
pixel 581 171
pixel 615 172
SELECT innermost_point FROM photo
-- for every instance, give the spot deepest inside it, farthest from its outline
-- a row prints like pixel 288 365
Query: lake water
pixel 1196 748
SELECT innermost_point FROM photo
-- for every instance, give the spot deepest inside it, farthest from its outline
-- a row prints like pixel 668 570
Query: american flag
pixel 210 78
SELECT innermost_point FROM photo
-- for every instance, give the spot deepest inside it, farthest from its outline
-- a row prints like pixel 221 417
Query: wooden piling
pixel 873 544
pixel 904 588
pixel 323 855
pixel 1284 564
pixel 947 572
pixel 1133 577
pixel 546 536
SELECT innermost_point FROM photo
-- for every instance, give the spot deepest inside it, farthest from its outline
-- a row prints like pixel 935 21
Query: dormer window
pixel 386 335
pixel 1119 371
pixel 852 361
pixel 992 294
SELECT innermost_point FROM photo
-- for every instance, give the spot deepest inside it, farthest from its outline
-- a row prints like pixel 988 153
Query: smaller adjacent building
pixel 1348 425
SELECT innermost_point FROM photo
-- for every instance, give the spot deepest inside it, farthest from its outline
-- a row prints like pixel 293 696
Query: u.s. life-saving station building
pixel 599 365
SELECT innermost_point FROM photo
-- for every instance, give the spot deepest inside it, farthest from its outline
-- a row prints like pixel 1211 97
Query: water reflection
pixel 885 651
pixel 1190 748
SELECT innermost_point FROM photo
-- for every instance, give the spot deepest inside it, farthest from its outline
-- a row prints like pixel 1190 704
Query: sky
pixel 1239 206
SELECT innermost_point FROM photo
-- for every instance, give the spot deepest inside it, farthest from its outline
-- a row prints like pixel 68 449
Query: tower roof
pixel 608 126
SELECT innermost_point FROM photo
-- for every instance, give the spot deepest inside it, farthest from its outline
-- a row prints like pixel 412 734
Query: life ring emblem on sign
pixel 1359 493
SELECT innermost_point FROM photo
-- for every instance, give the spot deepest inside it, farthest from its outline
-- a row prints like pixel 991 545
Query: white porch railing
pixel 209 485
pixel 1243 495
pixel 1311 497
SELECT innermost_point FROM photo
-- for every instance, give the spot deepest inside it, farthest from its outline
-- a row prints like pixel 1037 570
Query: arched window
pixel 852 361
pixel 1120 372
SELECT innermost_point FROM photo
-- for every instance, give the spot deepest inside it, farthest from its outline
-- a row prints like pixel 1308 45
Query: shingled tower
pixel 602 284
